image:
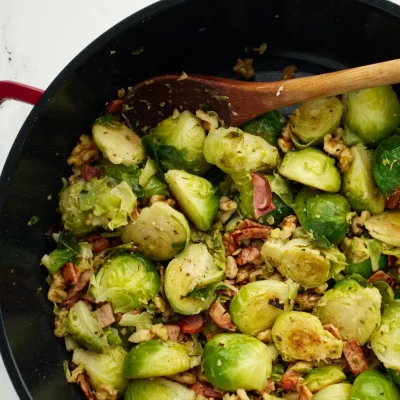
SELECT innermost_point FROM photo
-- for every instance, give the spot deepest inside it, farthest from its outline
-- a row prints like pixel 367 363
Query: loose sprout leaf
pixel 338 391
pixel 68 241
pixel 149 170
pixel 143 320
pixel 33 221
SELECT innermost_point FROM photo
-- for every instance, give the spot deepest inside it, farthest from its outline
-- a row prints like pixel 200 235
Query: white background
pixel 37 39
pixel 41 37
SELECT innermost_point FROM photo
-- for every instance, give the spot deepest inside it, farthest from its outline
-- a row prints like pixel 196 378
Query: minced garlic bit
pixel 231 268
pixel 280 89
pixel 335 146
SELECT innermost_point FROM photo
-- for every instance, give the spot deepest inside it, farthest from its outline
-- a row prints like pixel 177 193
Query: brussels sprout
pixel 131 174
pixel 156 358
pixel 103 369
pixel 349 306
pixel 117 142
pixel 267 126
pixel 300 336
pixel 237 153
pixel 372 113
pixel 257 304
pixel 179 143
pixel 314 119
pixel 196 197
pixel 302 261
pixel 126 281
pixel 193 270
pixel 84 326
pixel 158 388
pixel 339 391
pixel 311 167
pixel 385 227
pixel 364 268
pixel 324 215
pixel 358 184
pixel 235 361
pixel 84 206
pixel 384 341
pixel 385 164
pixel 374 385
pixel 160 232
pixel 319 378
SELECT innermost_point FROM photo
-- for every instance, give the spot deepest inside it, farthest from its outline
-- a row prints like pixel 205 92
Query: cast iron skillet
pixel 198 36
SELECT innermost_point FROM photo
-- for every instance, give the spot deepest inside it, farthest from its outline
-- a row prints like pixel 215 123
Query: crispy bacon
pixel 98 242
pixel 70 273
pixel 229 244
pixel 90 172
pixel 205 389
pixel 393 202
pixel 355 356
pixel 192 323
pixel 262 195
pixel 83 280
pixel 251 233
pixel 86 388
pixel 381 276
pixel 221 316
pixel 392 260
pixel 247 255
pixel 105 315
pixel 333 330
pixel 114 106
pixel 305 393
pixel 71 301
pixel 173 331
pixel 289 380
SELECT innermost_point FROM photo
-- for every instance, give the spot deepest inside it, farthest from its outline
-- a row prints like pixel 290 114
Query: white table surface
pixel 37 39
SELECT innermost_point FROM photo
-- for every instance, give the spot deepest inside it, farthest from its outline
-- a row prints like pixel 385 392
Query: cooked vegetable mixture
pixel 203 261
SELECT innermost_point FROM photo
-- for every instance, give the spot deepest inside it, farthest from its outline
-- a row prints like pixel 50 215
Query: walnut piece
pixel 57 292
pixel 85 151
pixel 288 226
pixel 285 142
pixel 244 68
pixel 335 146
pixel 358 222
pixel 288 72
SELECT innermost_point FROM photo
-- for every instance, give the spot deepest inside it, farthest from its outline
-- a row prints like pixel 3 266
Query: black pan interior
pixel 196 36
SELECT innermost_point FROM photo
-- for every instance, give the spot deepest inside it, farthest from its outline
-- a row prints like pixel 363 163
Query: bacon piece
pixel 70 302
pixel 247 255
pixel 333 330
pixel 98 243
pixel 289 380
pixel 81 284
pixel 192 323
pixel 355 356
pixel 251 233
pixel 205 389
pixel 393 202
pixel 305 393
pixel 70 273
pixel 262 195
pixel 114 106
pixel 229 244
pixel 105 315
pixel 392 260
pixel 86 388
pixel 90 172
pixel 173 331
pixel 381 276
pixel 221 316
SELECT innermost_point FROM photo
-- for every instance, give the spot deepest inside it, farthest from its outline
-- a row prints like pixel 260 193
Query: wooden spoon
pixel 236 102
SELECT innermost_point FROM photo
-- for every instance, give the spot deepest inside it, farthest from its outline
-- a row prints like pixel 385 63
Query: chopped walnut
pixel 288 226
pixel 160 198
pixel 255 274
pixel 227 208
pixel 231 268
pixel 242 275
pixel 288 72
pixel 106 392
pixel 208 121
pixel 307 301
pixel 244 68
pixel 187 378
pixel 85 151
pixel 57 292
pixel 335 146
pixel 265 336
pixel 358 222
pixel 285 142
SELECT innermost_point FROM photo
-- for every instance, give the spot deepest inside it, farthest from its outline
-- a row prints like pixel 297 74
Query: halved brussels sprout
pixel 84 326
pixel 358 184
pixel 237 153
pixel 160 232
pixel 374 385
pixel 117 142
pixel 268 126
pixel 158 388
pixel 196 197
pixel 257 305
pixel 126 281
pixel 180 142
pixel 84 206
pixel 103 369
pixel 303 262
pixel 314 119
pixel 313 168
pixel 323 215
pixel 386 166
pixel 195 270
pixel 156 358
pixel 235 361
pixel 372 113
pixel 319 378
pixel 384 341
pixel 300 336
pixel 339 391
pixel 349 306
pixel 385 227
